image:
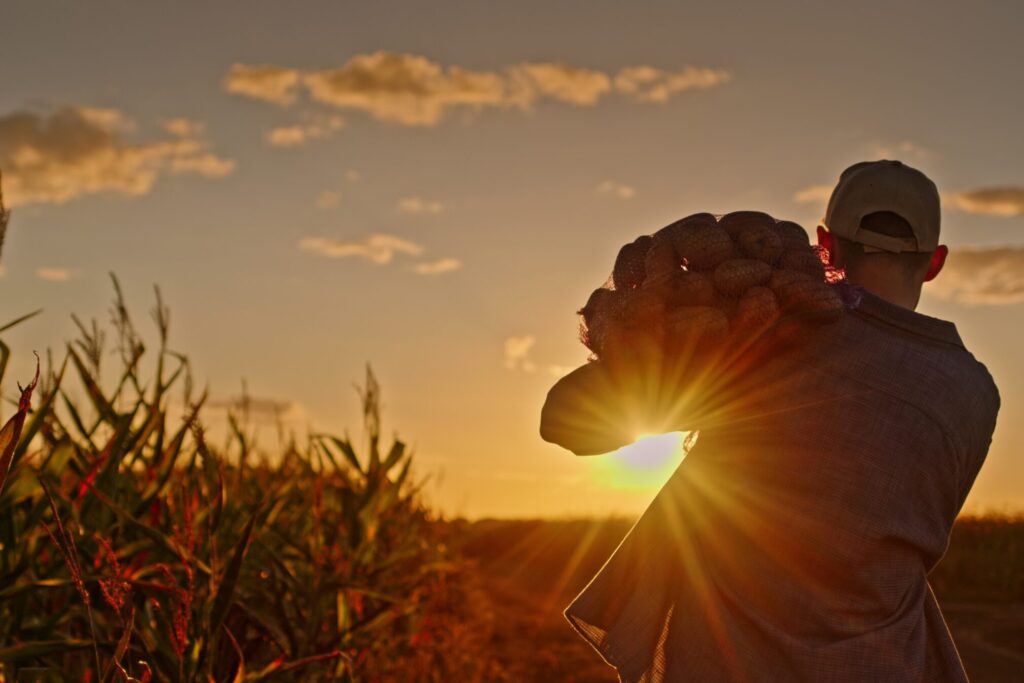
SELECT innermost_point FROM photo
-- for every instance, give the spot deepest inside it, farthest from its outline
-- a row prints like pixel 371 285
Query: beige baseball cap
pixel 872 186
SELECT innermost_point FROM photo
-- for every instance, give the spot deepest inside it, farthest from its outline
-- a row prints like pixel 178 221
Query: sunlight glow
pixel 645 464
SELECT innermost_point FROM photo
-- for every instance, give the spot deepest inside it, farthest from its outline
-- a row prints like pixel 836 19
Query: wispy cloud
pixel 328 199
pixel 815 194
pixel 412 90
pixel 517 351
pixel 76 151
pixel 560 82
pixel 560 370
pixel 416 205
pixel 265 82
pixel 438 267
pixel 981 276
pixel 378 248
pixel 301 133
pixel 616 189
pixel 901 150
pixel 402 88
pixel 518 356
pixel 995 201
pixel 648 84
pixel 184 128
pixel 54 274
pixel 207 164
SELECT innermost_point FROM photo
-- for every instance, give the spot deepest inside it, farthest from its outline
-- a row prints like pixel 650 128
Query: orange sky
pixel 436 189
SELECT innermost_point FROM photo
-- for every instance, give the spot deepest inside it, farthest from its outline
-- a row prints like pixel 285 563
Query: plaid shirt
pixel 794 541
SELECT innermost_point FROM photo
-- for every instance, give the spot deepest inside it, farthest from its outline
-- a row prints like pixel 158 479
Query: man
pixel 794 541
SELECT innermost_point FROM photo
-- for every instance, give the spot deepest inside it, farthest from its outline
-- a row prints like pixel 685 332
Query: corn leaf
pixel 11 431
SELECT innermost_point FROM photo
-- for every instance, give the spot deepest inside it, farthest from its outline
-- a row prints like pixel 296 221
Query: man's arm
pixel 584 412
pixel 602 406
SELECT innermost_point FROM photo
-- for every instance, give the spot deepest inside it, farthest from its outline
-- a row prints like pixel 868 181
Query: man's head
pixel 882 227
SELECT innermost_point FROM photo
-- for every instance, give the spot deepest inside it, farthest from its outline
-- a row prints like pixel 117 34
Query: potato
pixel 804 260
pixel 757 308
pixel 661 259
pixel 781 278
pixel 761 243
pixel 682 225
pixel 629 270
pixel 815 299
pixel 645 308
pixel 736 276
pixel 792 235
pixel 695 324
pixel 604 310
pixel 703 247
pixel 691 289
pixel 737 222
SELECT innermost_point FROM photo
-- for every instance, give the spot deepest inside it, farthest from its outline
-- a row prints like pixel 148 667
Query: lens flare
pixel 647 463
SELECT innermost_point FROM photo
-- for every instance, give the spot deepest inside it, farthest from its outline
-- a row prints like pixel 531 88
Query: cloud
pixel 378 248
pixel 184 128
pixel 815 194
pixel 517 351
pixel 649 84
pixel 208 165
pixel 301 133
pixel 561 82
pixel 902 150
pixel 412 90
pixel 265 82
pixel 328 199
pixel 560 370
pixel 54 274
pixel 353 176
pixel 981 276
pixel 402 88
pixel 107 119
pixel 77 151
pixel 616 189
pixel 995 201
pixel 286 136
pixel 416 205
pixel 444 265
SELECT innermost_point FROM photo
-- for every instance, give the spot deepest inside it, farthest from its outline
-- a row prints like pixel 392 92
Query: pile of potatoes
pixel 705 278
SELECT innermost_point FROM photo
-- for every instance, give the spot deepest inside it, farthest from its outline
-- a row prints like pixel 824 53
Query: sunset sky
pixel 436 187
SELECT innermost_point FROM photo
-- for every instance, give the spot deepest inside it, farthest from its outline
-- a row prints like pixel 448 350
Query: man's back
pixel 794 540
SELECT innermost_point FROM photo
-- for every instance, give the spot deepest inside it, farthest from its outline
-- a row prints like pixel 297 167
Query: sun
pixel 647 463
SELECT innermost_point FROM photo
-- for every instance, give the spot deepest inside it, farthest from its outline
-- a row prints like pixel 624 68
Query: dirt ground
pixel 531 569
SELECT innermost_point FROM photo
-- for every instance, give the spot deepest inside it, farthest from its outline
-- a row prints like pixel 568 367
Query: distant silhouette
pixel 794 541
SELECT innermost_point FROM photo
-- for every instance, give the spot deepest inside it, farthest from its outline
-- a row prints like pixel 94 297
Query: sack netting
pixel 706 279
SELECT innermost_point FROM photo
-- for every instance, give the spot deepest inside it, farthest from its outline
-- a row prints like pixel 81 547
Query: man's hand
pixel 584 412
pixel 600 407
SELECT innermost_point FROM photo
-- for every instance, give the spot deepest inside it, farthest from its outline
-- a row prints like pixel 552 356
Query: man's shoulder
pixel 923 359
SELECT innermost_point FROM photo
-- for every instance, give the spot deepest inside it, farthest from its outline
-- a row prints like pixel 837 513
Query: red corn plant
pixel 310 562
pixel 11 431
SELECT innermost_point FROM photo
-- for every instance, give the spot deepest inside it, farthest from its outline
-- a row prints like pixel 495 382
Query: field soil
pixel 530 570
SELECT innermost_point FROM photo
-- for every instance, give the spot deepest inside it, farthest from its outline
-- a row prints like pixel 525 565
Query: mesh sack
pixel 711 281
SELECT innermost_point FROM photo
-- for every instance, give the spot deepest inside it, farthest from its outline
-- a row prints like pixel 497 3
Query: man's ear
pixel 827 241
pixel 938 260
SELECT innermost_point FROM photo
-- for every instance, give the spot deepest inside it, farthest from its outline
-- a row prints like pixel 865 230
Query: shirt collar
pixel 911 321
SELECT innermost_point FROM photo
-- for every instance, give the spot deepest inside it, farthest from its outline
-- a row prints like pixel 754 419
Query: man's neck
pixel 898 294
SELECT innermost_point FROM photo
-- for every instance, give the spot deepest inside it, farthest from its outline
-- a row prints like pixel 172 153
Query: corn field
pixel 131 549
